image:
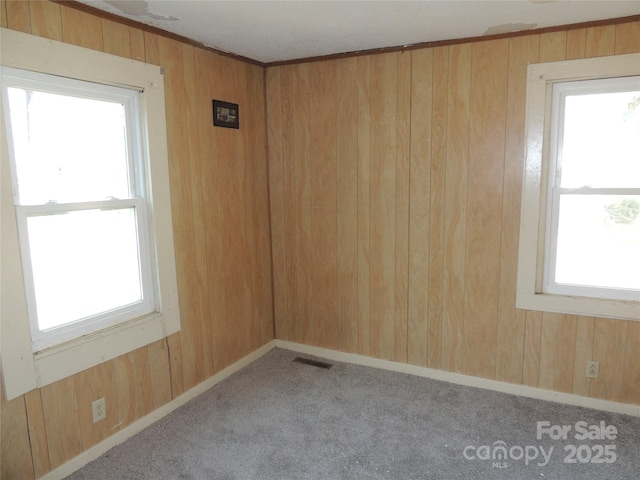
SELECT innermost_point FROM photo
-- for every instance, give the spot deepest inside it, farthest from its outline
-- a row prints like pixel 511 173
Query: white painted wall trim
pixel 524 391
pixel 136 427
pixel 466 380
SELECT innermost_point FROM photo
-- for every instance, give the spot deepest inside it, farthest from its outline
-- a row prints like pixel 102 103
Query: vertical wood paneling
pixel 347 205
pixel 136 38
pixel 201 280
pixel 46 20
pixel 81 29
pixel 323 180
pixel 437 186
pixel 610 340
pixel 585 331
pixel 627 38
pixel 576 43
pixel 290 208
pixel 484 206
pixel 175 363
pixel 302 203
pixel 631 370
pixel 511 322
pixel 225 292
pixel 132 387
pixel 419 188
pixel 37 433
pixel 277 201
pixel 18 15
pixel 531 354
pixel 557 346
pixel 15 458
pixel 384 80
pixel 600 41
pixel 115 38
pixel 455 227
pixel 3 14
pixel 159 370
pixel 170 56
pixel 403 165
pixel 60 408
pixel 92 384
pixel 364 202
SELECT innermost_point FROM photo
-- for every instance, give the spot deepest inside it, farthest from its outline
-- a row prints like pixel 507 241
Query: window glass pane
pixel 84 263
pixel 599 241
pixel 601 140
pixel 68 149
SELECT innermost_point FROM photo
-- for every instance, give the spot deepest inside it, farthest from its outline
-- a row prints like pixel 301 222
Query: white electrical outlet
pixel 592 369
pixel 99 410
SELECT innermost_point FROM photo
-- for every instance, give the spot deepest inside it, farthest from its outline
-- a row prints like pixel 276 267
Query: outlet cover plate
pixel 99 410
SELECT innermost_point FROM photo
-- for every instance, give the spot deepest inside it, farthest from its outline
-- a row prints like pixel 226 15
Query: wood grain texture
pixel 81 29
pixel 18 15
pixel 364 203
pixel 277 201
pixel 3 14
pixel 15 457
pixel 484 206
pixel 37 433
pixel 627 38
pixel 347 205
pixel 219 184
pixel 576 43
pixel 384 78
pixel 116 38
pixel 437 187
pixel 132 379
pixel 610 340
pixel 511 322
pixel 631 369
pixel 403 166
pixel 557 346
pixel 419 200
pixel 60 407
pixel 46 20
pixel 600 41
pixel 531 354
pixel 92 384
pixel 455 227
pixel 160 372
pixel 323 181
pixel 585 332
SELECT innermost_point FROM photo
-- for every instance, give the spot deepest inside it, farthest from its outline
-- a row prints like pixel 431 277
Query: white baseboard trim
pixel 522 390
pixel 466 380
pixel 130 430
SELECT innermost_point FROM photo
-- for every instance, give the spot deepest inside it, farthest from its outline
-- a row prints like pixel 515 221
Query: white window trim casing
pixel 23 371
pixel 540 80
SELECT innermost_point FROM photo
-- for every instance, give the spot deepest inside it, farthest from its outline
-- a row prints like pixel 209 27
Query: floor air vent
pixel 313 363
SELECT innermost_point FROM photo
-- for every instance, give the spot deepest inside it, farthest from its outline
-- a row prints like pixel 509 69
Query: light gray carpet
pixel 281 420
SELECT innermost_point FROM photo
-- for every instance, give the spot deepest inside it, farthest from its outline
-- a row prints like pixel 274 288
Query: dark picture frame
pixel 226 114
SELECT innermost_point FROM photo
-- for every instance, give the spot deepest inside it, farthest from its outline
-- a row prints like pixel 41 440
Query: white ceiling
pixel 270 31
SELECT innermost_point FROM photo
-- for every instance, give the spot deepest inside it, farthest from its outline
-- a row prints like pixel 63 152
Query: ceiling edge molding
pixel 400 48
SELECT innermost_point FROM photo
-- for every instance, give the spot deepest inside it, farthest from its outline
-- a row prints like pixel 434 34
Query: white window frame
pixel 22 369
pixel 535 224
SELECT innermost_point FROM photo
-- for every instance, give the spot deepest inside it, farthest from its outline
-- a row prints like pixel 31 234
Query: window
pixel 75 154
pixel 88 268
pixel 580 224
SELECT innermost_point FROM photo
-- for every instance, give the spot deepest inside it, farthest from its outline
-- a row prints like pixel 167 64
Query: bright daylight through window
pixel 80 204
pixel 579 247
pixel 594 226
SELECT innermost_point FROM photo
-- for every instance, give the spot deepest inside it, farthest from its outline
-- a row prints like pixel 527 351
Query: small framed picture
pixel 226 114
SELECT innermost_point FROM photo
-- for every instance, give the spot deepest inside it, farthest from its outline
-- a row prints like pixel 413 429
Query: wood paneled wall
pixel 219 191
pixel 395 183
